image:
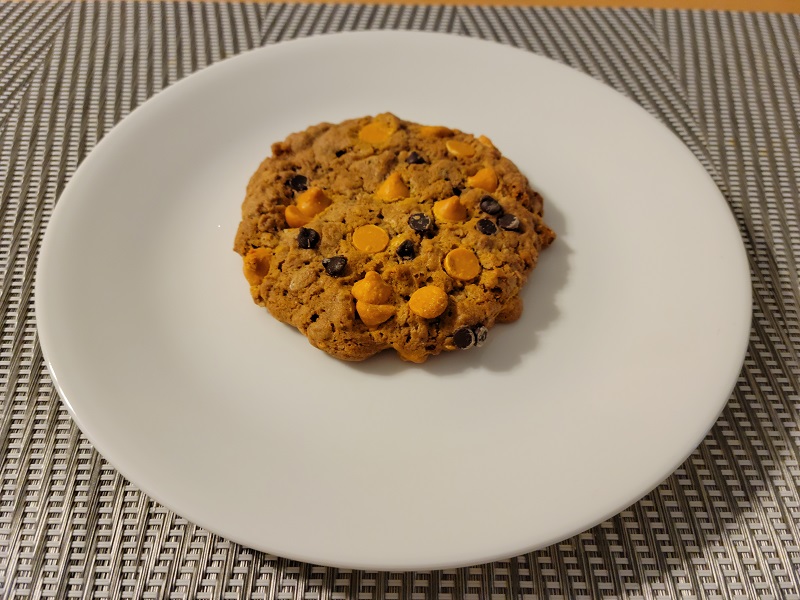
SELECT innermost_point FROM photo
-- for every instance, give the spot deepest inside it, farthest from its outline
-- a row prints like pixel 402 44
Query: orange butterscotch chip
pixel 370 238
pixel 485 179
pixel 393 188
pixel 459 149
pixel 486 141
pixel 312 202
pixel 372 289
pixel 462 264
pixel 256 265
pixel 428 302
pixel 450 209
pixel 374 314
pixel 436 131
pixel 294 217
pixel 378 131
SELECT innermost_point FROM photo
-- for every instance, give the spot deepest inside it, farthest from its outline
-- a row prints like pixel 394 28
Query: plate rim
pixel 41 284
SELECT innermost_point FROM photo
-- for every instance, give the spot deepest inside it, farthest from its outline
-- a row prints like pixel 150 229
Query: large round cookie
pixel 380 233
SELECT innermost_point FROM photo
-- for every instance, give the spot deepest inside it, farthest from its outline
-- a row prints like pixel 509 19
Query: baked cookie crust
pixel 380 233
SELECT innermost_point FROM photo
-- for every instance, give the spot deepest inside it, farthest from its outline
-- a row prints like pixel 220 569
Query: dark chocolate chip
pixel 508 222
pixel 307 238
pixel 486 227
pixel 420 222
pixel 406 250
pixel 340 153
pixel 335 265
pixel 481 333
pixel 299 183
pixel 464 338
pixel 415 159
pixel 491 206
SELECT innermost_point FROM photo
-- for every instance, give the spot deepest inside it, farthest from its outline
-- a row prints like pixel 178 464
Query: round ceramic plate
pixel 634 330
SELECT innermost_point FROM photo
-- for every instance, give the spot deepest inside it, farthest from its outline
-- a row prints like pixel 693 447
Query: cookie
pixel 380 233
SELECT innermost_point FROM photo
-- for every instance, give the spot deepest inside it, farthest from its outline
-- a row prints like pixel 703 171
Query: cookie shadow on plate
pixel 507 343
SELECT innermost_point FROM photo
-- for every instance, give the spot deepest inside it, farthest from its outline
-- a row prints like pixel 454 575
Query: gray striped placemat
pixel 724 525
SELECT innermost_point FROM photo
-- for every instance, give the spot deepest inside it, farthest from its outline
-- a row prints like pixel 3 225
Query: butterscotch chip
pixel 374 314
pixel 485 179
pixel 459 148
pixel 461 263
pixel 295 218
pixel 370 238
pixel 256 265
pixel 450 209
pixel 312 202
pixel 434 131
pixel 377 233
pixel 428 302
pixel 379 130
pixel 394 188
pixel 372 289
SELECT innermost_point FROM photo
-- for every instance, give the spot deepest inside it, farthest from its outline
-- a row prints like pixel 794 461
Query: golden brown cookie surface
pixel 379 233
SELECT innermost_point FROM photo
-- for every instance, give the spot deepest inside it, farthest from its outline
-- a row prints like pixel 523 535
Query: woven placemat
pixel 725 525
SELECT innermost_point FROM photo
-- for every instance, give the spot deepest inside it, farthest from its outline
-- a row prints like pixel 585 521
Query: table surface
pixel 726 524
pixel 781 6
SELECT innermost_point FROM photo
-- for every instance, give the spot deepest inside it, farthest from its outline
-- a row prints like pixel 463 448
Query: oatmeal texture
pixel 380 233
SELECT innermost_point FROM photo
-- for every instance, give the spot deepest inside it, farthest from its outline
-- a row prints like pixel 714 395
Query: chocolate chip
pixel 406 250
pixel 464 338
pixel 486 227
pixel 335 265
pixel 508 222
pixel 481 333
pixel 340 153
pixel 299 183
pixel 307 238
pixel 491 206
pixel 419 222
pixel 415 159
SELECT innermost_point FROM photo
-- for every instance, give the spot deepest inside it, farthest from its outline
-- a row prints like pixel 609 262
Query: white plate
pixel 635 326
